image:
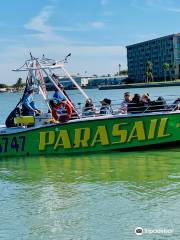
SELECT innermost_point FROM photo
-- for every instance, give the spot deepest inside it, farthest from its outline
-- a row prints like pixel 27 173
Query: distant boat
pixel 3 90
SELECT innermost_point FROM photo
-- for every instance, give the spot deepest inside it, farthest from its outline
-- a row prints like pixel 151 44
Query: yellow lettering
pixel 82 136
pixel 63 140
pixel 152 129
pixel 101 136
pixel 117 132
pixel 162 128
pixel 137 132
pixel 46 138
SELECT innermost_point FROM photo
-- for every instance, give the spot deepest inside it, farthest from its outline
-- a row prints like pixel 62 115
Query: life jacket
pixel 66 115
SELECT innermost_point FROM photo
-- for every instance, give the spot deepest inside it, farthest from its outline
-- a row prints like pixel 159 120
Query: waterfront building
pixel 157 51
pixel 65 81
pixel 86 82
pixel 99 81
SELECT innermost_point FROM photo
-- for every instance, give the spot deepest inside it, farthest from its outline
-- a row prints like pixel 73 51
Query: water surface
pixel 97 196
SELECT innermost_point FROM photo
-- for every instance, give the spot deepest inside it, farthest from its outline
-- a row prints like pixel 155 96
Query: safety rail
pixel 132 108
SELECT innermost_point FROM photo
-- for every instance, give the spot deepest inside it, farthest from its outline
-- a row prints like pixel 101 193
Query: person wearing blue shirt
pixel 61 95
pixel 28 105
pixel 58 95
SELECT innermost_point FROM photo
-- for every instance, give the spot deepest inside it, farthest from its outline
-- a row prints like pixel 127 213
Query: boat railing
pixel 95 111
pixel 132 109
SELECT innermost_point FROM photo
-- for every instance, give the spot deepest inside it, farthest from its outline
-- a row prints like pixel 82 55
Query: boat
pixel 3 90
pixel 40 136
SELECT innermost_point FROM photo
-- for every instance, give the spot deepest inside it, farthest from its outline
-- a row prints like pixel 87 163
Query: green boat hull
pixel 92 135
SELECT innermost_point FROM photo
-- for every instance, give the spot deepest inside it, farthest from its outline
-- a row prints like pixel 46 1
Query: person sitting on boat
pixel 106 107
pixel 57 94
pixel 161 104
pixel 89 109
pixel 28 105
pixel 136 105
pixel 62 95
pixel 146 99
pixel 126 101
pixel 176 104
pixel 61 110
pixel 158 105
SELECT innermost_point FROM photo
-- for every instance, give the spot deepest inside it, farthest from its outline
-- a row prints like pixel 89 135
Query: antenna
pixel 31 55
pixel 65 59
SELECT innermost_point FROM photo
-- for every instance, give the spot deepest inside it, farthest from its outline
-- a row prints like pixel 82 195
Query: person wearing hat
pixel 89 108
pixel 124 104
pixel 106 107
pixel 146 99
pixel 28 105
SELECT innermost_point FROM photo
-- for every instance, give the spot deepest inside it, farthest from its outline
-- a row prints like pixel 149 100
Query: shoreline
pixel 139 85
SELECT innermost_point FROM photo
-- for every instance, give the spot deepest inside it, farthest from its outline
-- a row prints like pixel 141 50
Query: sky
pixel 95 32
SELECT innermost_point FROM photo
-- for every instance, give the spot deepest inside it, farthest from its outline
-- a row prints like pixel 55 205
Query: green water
pixel 100 196
pixel 90 197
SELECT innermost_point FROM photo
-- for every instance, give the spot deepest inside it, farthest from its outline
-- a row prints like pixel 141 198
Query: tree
pixel 174 68
pixel 2 85
pixel 165 68
pixel 149 75
pixel 95 75
pixel 124 72
pixel 19 83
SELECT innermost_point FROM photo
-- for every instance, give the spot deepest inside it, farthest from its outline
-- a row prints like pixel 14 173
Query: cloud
pixel 39 24
pixel 104 2
pixel 153 2
pixel 147 36
pixel 43 31
pixel 94 59
pixel 2 24
pixel 98 24
pixel 100 59
pixel 162 5
pixel 136 4
pixel 177 10
pixel 109 13
pixel 82 27
pixel 77 28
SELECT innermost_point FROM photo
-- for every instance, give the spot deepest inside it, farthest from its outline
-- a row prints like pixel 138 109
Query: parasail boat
pixel 39 135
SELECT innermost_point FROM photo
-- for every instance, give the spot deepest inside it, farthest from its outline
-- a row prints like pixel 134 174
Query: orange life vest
pixel 62 117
